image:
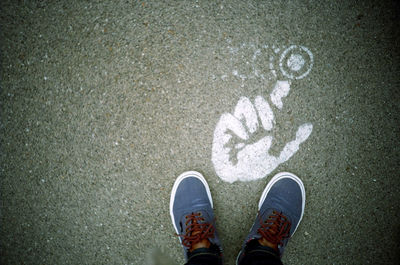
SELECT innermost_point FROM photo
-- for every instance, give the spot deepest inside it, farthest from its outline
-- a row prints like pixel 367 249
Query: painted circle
pixel 296 62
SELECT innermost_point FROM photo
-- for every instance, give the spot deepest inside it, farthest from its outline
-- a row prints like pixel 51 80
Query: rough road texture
pixel 105 103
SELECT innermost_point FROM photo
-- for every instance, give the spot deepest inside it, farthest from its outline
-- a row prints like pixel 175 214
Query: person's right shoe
pixel 280 211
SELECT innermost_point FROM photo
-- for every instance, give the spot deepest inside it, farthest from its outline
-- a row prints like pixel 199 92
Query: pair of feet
pixel 280 211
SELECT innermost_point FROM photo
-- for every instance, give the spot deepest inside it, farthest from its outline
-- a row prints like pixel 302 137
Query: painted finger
pixel 228 122
pixel 292 147
pixel 280 91
pixel 244 110
pixel 265 113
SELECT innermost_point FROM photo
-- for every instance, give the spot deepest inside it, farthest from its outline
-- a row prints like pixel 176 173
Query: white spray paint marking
pixel 253 159
pixel 292 147
pixel 280 91
pixel 294 62
pixel 299 62
pixel 234 156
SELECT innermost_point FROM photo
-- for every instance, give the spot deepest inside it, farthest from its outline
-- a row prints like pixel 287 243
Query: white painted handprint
pixel 252 160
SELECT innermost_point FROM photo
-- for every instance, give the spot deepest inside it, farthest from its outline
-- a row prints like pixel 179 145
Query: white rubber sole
pixel 175 187
pixel 278 177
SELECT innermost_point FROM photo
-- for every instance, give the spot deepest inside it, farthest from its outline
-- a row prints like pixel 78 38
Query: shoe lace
pixel 196 230
pixel 275 229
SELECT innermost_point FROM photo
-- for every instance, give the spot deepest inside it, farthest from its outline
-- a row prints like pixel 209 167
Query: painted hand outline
pixel 253 160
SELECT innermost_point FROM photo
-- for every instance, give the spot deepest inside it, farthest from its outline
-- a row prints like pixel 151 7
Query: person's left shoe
pixel 192 215
pixel 280 210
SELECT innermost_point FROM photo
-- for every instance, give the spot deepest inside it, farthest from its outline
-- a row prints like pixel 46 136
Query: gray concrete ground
pixel 105 103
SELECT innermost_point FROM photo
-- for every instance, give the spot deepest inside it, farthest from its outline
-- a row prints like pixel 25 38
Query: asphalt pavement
pixel 104 103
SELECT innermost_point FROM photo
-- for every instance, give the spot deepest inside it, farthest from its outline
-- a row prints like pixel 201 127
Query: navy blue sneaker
pixel 192 215
pixel 280 211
